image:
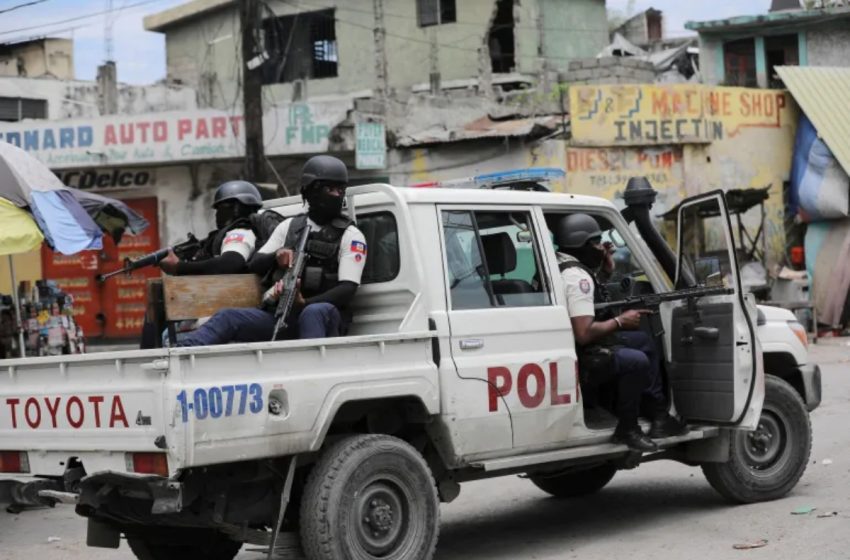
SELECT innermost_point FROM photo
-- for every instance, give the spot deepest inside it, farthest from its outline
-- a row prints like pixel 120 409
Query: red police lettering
pixel 499 382
pixel 527 399
pixel 531 394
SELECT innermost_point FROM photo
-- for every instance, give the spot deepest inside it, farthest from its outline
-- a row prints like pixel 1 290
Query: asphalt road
pixel 659 511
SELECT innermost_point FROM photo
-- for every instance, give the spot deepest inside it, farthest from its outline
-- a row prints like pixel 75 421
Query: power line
pixel 76 18
pixel 24 5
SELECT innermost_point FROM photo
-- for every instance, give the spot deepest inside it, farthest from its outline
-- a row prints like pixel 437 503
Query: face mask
pixel 324 206
pixel 591 257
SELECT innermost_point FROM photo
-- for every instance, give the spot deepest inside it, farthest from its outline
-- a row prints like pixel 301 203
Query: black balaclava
pixel 323 206
pixel 228 212
pixel 588 255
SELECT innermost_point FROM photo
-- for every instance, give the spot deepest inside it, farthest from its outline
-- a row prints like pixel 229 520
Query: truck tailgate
pixel 94 407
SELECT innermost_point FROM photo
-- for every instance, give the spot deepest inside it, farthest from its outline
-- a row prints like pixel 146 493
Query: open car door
pixel 715 363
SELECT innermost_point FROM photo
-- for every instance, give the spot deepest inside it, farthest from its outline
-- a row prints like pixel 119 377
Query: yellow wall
pixel 726 138
pixel 27 267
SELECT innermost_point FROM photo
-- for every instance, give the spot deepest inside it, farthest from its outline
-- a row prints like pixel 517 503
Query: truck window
pixel 381 232
pixel 493 260
pixel 704 249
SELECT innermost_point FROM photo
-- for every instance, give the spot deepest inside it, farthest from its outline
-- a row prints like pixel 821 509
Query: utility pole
pixel 380 35
pixel 254 168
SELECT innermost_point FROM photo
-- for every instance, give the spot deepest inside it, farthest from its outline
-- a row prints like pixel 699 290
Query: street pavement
pixel 660 510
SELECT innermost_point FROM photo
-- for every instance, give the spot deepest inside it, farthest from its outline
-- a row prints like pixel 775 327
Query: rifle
pixel 183 250
pixel 290 283
pixel 652 301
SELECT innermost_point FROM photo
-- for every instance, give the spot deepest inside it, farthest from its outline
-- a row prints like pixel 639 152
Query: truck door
pixel 510 342
pixel 715 361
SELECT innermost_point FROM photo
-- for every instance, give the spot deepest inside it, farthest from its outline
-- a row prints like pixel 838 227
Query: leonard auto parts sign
pixel 116 140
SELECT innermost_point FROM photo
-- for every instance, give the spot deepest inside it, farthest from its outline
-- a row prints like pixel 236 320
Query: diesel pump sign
pixel 107 178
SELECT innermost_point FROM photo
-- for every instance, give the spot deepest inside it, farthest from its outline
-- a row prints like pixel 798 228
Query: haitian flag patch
pixel 358 247
pixel 234 238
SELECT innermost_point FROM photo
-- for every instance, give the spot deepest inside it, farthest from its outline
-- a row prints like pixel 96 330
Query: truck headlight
pixel 800 331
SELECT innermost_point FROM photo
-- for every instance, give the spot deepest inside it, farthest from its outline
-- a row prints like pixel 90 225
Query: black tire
pixel 579 483
pixel 183 544
pixel 370 496
pixel 766 464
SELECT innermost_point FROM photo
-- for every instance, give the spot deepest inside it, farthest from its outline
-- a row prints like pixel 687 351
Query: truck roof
pixel 372 194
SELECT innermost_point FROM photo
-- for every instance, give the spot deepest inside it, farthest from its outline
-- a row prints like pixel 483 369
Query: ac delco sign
pixel 107 178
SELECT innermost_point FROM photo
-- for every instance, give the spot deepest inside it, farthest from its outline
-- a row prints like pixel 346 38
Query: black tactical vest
pixel 321 272
pixel 211 245
pixel 600 292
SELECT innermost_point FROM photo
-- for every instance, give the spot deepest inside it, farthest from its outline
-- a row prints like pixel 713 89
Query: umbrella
pixel 28 183
pixel 35 204
pixel 111 215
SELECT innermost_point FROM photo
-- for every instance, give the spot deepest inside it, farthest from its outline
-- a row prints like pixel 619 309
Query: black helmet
pixel 323 168
pixel 243 191
pixel 573 231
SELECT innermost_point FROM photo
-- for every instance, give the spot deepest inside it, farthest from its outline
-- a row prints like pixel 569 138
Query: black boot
pixel 635 439
pixel 664 426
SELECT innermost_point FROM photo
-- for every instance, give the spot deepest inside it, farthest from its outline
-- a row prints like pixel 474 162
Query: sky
pixel 140 54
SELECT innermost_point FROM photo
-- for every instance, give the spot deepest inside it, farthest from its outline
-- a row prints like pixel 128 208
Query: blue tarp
pixel 65 224
pixel 820 188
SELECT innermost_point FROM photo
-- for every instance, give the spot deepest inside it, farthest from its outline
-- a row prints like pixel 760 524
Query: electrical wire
pixel 19 6
pixel 76 18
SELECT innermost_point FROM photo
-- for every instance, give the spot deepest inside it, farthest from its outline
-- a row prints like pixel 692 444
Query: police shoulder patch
pixel 584 285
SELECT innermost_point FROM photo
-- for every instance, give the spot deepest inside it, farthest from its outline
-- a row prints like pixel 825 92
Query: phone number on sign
pixel 227 400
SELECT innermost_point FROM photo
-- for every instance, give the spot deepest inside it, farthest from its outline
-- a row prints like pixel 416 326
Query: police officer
pixel 336 256
pixel 611 346
pixel 225 250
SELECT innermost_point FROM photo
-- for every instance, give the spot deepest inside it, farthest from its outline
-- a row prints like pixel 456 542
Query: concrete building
pixel 643 29
pixel 743 51
pixel 328 47
pixel 39 57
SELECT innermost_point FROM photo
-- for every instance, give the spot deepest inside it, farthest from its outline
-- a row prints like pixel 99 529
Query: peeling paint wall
pixel 76 99
pixel 45 57
pixel 579 32
pixel 828 44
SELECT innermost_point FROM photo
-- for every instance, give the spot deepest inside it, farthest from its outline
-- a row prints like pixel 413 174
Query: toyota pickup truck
pixel 459 365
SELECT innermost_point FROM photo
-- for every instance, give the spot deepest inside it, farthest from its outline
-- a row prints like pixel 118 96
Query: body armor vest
pixel 322 267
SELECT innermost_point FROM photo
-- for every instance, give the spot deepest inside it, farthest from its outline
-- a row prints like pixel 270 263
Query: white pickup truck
pixel 460 365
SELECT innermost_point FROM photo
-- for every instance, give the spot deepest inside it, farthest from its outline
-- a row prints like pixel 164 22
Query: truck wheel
pixel 183 544
pixel 766 464
pixel 370 496
pixel 579 483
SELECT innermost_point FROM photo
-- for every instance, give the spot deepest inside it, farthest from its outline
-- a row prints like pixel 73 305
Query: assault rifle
pixel 290 283
pixel 652 301
pixel 183 250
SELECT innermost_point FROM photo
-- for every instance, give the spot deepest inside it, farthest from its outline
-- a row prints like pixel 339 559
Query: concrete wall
pixel 74 99
pixel 205 53
pixel 610 70
pixel 572 30
pixel 209 45
pixel 47 57
pixel 829 43
pixel 710 58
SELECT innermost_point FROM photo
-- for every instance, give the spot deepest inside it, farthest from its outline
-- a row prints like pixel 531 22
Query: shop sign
pixel 596 170
pixel 609 115
pixel 103 179
pixel 371 146
pixel 115 140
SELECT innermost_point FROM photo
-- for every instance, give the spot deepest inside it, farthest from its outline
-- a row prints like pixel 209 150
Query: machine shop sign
pixel 200 135
pixel 107 179
pixel 634 115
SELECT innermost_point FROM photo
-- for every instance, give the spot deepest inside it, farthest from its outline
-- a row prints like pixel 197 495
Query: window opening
pixel 435 12
pixel 501 38
pixel 739 59
pixel 780 50
pixel 301 46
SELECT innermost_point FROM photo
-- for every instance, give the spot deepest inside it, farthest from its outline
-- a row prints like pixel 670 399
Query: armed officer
pixel 225 250
pixel 336 256
pixel 611 346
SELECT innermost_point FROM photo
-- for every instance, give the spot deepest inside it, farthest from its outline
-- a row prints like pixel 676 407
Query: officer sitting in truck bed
pixel 611 346
pixel 336 252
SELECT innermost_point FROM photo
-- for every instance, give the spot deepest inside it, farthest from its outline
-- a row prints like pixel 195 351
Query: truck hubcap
pixel 764 448
pixel 382 517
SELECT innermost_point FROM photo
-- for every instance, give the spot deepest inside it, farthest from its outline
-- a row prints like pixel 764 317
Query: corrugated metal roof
pixel 822 93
